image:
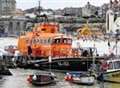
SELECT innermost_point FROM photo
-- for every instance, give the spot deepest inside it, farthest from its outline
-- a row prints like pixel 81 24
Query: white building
pixel 116 25
pixel 112 24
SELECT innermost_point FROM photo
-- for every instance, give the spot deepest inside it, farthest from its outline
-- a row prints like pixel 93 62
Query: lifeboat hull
pixel 63 64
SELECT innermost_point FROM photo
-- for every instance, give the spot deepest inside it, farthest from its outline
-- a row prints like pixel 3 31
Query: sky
pixel 56 4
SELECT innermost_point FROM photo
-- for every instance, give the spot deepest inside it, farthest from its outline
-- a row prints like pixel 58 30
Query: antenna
pixel 39 8
pixel 6 7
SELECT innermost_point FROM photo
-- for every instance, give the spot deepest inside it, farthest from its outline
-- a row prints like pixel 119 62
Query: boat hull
pixel 42 83
pixel 42 79
pixel 64 64
pixel 84 80
pixel 113 77
pixel 78 77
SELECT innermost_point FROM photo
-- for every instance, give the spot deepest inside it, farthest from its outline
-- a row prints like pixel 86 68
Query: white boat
pixel 114 65
pixel 80 78
pixel 112 73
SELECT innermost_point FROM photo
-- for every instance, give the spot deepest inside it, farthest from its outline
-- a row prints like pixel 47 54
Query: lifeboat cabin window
pixel 42 41
pixel 67 41
pixel 37 41
pixel 49 41
pixel 43 29
pixel 63 40
pixel 33 41
pixel 56 41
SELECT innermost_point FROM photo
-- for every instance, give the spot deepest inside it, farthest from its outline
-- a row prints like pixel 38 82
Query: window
pixel 110 65
pixel 58 41
pixel 37 41
pixel 117 65
pixel 33 41
pixel 43 29
pixel 41 41
pixel 49 40
pixel 64 40
pixel 69 41
pixel 45 41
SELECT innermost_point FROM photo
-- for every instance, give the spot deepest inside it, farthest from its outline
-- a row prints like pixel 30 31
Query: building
pixel 72 11
pixel 112 24
pixel 103 9
pixel 7 7
pixel 89 10
pixel 113 5
pixel 116 25
pixel 19 12
pixel 12 25
pixel 58 12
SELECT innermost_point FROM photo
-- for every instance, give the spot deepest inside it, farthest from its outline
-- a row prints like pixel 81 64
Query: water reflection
pixel 19 80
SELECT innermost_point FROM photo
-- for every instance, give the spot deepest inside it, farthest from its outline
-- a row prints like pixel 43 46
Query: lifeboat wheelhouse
pixel 61 46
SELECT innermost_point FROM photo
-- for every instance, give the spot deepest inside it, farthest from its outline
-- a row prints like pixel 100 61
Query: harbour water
pixel 19 78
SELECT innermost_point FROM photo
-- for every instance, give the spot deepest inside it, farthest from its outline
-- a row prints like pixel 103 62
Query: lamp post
pixel 116 40
pixel 6 7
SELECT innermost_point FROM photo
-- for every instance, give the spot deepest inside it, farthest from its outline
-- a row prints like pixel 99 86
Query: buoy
pixel 29 79
pixel 34 77
pixel 68 78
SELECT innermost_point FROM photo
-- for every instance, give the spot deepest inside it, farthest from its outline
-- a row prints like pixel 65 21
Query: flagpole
pixel 116 47
pixel 50 60
pixel 117 31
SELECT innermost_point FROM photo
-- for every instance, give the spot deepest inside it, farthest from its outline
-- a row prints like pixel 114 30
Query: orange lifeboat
pixel 45 40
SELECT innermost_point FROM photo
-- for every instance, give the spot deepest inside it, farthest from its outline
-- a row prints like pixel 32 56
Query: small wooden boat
pixel 42 78
pixel 80 78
